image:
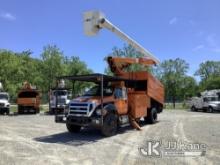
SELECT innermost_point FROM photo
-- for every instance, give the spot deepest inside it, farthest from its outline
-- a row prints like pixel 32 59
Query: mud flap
pixel 134 123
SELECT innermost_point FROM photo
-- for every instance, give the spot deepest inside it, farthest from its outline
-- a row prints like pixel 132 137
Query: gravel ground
pixel 36 139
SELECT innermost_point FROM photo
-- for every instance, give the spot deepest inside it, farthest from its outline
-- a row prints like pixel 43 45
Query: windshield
pixel 60 93
pixel 96 91
pixel 3 97
pixel 211 99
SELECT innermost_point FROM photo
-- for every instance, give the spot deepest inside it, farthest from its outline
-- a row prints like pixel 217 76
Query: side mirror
pixel 69 96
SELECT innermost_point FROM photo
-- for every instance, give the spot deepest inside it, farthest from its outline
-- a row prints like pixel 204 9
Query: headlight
pixel 98 112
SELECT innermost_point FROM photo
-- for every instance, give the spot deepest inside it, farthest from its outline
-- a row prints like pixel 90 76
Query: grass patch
pixel 178 106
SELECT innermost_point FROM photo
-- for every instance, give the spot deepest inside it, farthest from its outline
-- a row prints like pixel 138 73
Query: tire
pixel 20 110
pixel 73 128
pixel 151 116
pixel 7 111
pixel 193 108
pixel 210 110
pixel 110 125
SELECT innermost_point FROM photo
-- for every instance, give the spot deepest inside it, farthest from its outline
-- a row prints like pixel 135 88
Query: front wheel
pixel 210 109
pixel 20 110
pixel 193 108
pixel 110 125
pixel 73 128
pixel 7 111
pixel 151 116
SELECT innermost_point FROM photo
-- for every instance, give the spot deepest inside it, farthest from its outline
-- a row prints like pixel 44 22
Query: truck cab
pixel 58 100
pixel 4 103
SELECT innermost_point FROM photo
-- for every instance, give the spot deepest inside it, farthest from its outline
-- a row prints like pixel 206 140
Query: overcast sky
pixel 188 29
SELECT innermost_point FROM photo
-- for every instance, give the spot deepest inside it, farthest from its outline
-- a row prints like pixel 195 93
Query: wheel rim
pixel 111 125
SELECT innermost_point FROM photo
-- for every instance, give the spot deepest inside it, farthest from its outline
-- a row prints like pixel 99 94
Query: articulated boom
pixel 118 64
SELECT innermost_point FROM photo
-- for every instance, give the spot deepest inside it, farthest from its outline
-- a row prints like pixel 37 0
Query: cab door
pixel 121 100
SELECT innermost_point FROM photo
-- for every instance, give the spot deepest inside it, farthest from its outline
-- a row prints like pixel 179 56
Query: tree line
pixel 15 68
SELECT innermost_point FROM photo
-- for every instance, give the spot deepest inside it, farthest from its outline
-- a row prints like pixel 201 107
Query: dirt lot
pixel 36 139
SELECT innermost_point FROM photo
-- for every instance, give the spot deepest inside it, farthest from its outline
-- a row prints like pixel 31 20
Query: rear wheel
pixel 151 116
pixel 110 124
pixel 73 128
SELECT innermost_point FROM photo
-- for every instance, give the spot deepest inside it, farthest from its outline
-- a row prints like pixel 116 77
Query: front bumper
pixel 4 109
pixel 81 121
pixel 217 108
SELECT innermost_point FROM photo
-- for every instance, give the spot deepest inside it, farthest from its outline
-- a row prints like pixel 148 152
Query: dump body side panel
pixel 27 101
pixel 137 103
pixel 155 89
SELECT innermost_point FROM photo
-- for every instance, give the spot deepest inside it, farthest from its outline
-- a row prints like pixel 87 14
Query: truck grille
pixel 2 104
pixel 80 109
pixel 61 101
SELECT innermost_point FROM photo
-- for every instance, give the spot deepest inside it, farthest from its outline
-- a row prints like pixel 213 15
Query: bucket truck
pixel 119 100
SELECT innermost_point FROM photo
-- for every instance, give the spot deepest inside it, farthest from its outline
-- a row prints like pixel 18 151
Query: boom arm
pixel 94 21
pixel 117 64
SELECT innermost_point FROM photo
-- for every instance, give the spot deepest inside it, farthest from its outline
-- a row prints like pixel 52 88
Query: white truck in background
pixel 208 101
pixel 4 101
pixel 59 98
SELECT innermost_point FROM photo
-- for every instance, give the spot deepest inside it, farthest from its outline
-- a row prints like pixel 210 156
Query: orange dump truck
pixel 115 101
pixel 28 99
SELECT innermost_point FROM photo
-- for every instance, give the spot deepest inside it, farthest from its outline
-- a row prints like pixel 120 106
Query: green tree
pixel 74 66
pixel 207 69
pixel 173 74
pixel 209 73
pixel 213 82
pixel 52 66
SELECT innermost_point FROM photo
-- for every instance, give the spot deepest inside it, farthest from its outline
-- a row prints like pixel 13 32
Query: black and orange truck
pixel 118 100
pixel 28 99
pixel 115 101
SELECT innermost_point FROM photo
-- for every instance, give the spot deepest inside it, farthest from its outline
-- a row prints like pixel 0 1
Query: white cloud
pixel 198 47
pixel 7 16
pixel 173 21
